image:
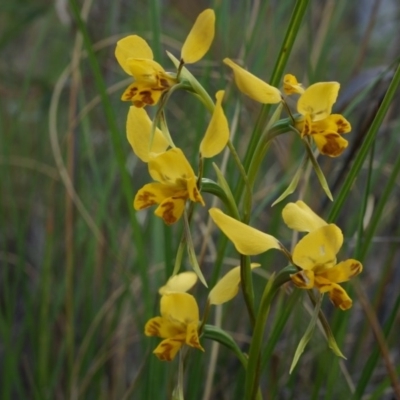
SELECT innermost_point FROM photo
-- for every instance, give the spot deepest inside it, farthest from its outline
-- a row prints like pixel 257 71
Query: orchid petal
pixel 247 240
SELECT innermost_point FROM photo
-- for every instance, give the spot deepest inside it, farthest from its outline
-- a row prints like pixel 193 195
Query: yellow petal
pixel 162 327
pixel 171 209
pixel 144 70
pixel 342 125
pixel 168 348
pixel 179 283
pixel 171 167
pixel 337 294
pixel 138 131
pixel 333 123
pixel 192 335
pixel 291 86
pixel 318 99
pixel 132 46
pixel 152 193
pixel 179 307
pixel 299 217
pixel 318 249
pixel 339 297
pixel 343 271
pixel 200 37
pixel 193 191
pixel 217 134
pixel 330 144
pixel 303 279
pixel 247 240
pixel 141 94
pixel 252 86
pixel 227 287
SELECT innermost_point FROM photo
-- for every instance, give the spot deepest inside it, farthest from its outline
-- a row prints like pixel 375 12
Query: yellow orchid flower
pixel 138 132
pixel 135 57
pixel 175 184
pixel 315 254
pixel 227 287
pixel 177 325
pixel 315 105
pixel 254 87
pixel 247 240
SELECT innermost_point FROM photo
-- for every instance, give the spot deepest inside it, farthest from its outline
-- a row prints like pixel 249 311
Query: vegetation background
pixel 79 269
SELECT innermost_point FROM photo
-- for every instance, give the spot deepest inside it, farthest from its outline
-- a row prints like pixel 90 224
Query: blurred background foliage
pixel 79 269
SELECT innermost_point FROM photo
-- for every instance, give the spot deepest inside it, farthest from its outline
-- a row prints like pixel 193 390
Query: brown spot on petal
pixel 355 269
pixel 193 341
pixel 306 129
pixel 300 280
pixel 146 97
pixel 342 126
pixel 147 198
pixel 168 213
pixel 165 354
pixel 132 93
pixel 138 103
pixel 196 195
pixel 164 83
pixel 336 296
pixel 153 329
pixel 332 147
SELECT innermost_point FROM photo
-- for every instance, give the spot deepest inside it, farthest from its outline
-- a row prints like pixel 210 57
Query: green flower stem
pixel 268 135
pixel 159 118
pixel 253 364
pixel 247 286
pixel 243 174
pixel 209 186
pixel 367 143
pixel 179 255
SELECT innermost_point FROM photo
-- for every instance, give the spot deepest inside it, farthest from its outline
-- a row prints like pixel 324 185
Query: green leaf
pixel 227 190
pixel 293 184
pixel 218 335
pixel 318 171
pixel 190 247
pixel 307 335
pixel 327 329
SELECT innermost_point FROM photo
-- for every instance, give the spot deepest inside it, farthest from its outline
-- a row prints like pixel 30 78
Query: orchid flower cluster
pixel 176 188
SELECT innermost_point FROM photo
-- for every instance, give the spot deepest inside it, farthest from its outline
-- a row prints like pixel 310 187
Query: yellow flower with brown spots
pixel 175 184
pixel 315 105
pixel 135 57
pixel 315 255
pixel 177 325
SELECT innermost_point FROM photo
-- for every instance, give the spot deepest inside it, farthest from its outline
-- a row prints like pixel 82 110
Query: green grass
pixel 80 269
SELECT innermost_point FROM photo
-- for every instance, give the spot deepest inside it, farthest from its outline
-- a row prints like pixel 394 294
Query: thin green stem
pixel 243 174
pixel 247 286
